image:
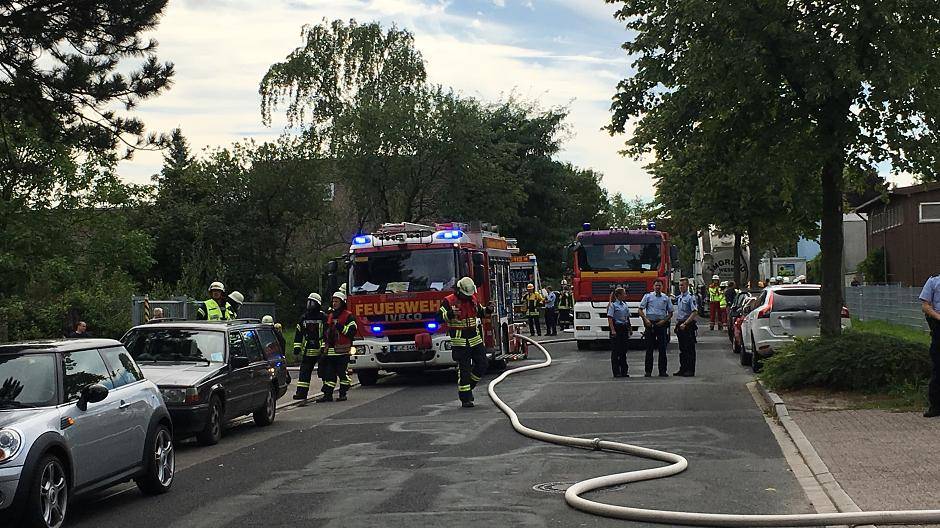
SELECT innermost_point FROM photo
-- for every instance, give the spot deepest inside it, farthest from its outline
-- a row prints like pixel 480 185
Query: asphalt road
pixel 403 454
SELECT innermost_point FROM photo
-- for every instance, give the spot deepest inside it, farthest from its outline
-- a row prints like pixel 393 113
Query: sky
pixel 558 52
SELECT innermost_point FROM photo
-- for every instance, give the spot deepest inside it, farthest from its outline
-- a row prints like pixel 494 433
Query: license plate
pixel 404 348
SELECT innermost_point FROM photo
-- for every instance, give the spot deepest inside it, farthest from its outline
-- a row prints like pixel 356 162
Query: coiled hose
pixel 676 464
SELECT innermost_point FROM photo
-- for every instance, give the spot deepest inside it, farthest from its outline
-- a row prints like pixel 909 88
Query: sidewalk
pixel 883 460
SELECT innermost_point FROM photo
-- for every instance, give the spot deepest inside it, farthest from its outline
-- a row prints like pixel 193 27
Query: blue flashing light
pixel 376 329
pixel 586 226
pixel 432 326
pixel 362 239
pixel 453 234
pixel 651 225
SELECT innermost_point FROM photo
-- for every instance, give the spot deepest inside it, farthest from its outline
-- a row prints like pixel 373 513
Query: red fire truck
pixel 397 278
pixel 605 260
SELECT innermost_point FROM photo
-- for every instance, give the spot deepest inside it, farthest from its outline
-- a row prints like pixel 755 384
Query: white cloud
pixel 499 3
pixel 222 49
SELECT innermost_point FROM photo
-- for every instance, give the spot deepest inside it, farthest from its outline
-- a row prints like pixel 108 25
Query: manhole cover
pixel 561 487
pixel 552 487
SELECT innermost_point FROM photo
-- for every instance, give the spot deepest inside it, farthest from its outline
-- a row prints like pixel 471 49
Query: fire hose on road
pixel 676 465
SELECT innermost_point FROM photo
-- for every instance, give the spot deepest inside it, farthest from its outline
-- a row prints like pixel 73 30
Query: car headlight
pixel 180 396
pixel 583 315
pixel 10 443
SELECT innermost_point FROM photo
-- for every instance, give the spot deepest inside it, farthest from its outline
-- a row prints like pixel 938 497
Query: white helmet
pixel 237 297
pixel 466 286
pixel 564 282
pixel 801 279
pixel 341 295
pixel 342 288
pixel 715 277
pixel 786 280
pixel 217 286
pixel 315 297
pixel 724 284
pixel 267 319
pixel 530 286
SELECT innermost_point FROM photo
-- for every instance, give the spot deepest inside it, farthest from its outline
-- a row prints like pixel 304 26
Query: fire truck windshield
pixel 619 257
pixel 403 271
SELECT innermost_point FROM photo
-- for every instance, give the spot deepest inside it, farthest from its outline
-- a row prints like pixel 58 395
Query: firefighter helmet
pixel 715 277
pixel 267 319
pixel 217 286
pixel 564 282
pixel 530 286
pixel 340 295
pixel 315 297
pixel 237 297
pixel 466 286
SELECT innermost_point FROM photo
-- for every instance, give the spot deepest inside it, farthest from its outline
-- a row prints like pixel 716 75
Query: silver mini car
pixel 76 415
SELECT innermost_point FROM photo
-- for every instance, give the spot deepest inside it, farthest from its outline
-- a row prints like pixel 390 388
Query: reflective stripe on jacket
pixel 715 294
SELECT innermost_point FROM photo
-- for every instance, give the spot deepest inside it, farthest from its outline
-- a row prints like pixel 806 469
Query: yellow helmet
pixel 466 286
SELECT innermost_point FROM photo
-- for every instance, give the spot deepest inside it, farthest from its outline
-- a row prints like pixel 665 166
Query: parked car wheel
pixel 48 499
pixel 213 430
pixel 584 344
pixel 161 463
pixel 265 415
pixel 745 356
pixel 755 359
pixel 367 378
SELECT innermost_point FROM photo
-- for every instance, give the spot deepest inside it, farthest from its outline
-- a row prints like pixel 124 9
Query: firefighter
pixel 215 308
pixel 565 305
pixel 338 337
pixel 308 343
pixel 533 301
pixel 462 312
pixel 715 299
pixel 235 302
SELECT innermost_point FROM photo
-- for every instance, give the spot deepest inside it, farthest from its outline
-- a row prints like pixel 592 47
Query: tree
pixel 631 213
pixel 860 81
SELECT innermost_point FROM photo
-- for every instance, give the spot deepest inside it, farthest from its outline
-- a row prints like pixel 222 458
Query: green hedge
pixel 854 361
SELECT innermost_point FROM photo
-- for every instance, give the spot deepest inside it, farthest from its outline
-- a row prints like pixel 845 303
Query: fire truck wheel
pixel 367 378
pixel 583 344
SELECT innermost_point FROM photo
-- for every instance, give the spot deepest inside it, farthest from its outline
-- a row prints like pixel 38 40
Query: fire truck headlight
pixel 447 345
pixel 583 315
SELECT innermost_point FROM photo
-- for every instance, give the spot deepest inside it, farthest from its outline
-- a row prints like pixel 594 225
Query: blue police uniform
pixel 686 305
pixel 658 310
pixel 931 294
pixel 551 314
pixel 619 312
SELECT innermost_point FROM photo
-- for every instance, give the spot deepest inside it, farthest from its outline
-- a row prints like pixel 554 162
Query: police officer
pixel 551 312
pixel 930 303
pixel 618 320
pixel 656 311
pixel 215 308
pixel 686 314
pixel 462 313
pixel 533 301
pixel 338 333
pixel 308 342
pixel 565 305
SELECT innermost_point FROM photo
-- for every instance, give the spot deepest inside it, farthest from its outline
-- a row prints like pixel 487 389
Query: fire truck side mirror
pixel 674 256
pixel 331 267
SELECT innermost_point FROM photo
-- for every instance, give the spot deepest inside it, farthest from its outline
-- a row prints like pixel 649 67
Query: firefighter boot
pixel 327 395
pixel 466 404
pixel 342 394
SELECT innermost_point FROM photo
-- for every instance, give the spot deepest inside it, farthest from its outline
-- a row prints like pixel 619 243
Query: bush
pixel 854 361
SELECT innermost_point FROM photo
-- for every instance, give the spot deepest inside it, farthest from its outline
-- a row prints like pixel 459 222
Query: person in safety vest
pixel 565 305
pixel 462 312
pixel 215 308
pixel 533 301
pixel 308 343
pixel 338 334
pixel 715 298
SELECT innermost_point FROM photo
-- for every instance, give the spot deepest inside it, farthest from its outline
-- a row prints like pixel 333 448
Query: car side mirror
pixel 93 393
pixel 239 362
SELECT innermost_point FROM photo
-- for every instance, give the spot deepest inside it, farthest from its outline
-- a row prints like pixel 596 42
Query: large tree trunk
pixel 736 260
pixel 831 244
pixel 753 257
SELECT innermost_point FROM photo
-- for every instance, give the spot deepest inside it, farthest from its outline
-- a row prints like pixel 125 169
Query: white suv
pixel 783 313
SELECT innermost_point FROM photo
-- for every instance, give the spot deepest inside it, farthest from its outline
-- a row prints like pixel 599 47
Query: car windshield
pixel 796 299
pixel 403 271
pixel 619 257
pixel 27 380
pixel 175 344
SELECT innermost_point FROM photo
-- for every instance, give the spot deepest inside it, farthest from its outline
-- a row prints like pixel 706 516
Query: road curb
pixel 842 501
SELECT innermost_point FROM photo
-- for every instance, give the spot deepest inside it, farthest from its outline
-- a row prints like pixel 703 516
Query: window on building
pixel 930 212
pixel 886 219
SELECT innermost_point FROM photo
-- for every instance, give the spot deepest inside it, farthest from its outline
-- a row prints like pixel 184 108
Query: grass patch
pixel 894 330
pixel 887 368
